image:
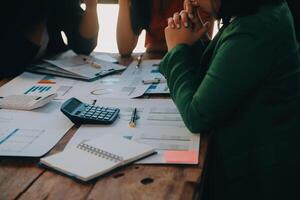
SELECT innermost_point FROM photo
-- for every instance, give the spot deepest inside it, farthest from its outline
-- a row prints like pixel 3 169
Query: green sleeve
pixel 239 65
pixel 191 53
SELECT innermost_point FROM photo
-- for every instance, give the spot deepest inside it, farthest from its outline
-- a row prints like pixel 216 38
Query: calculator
pixel 82 113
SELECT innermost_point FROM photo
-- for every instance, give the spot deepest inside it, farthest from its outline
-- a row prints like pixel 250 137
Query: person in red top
pixel 150 15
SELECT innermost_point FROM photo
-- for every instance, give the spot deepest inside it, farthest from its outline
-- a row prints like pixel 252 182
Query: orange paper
pixel 181 157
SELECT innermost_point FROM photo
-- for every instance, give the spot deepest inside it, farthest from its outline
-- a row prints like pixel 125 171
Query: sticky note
pixel 181 157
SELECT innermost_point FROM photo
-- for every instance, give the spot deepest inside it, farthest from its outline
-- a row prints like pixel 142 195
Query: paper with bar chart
pixel 159 125
pixel 31 133
pixel 108 86
pixel 35 84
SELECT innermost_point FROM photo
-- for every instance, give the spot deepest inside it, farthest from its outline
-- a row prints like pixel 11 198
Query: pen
pixel 154 81
pixel 133 119
pixel 139 60
pixel 89 61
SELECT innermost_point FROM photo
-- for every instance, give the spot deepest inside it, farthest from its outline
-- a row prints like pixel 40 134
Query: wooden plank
pixel 146 182
pixel 16 175
pixel 3 81
pixel 53 186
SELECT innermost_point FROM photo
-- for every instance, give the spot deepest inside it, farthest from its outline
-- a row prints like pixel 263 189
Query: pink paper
pixel 181 157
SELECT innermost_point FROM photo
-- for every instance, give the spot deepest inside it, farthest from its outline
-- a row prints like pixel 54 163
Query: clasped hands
pixel 186 27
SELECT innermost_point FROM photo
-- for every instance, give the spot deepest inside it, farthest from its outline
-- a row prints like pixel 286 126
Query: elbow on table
pixel 126 47
pixel 84 51
pixel 195 122
pixel 85 48
pixel 125 51
pixel 192 124
pixel 193 127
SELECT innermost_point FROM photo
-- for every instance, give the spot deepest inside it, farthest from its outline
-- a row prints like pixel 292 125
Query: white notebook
pixel 93 158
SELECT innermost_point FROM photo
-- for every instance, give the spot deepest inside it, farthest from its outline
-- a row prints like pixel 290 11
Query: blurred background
pixel 108 14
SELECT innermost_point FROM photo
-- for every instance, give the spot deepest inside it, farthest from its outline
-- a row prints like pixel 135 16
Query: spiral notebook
pixel 91 159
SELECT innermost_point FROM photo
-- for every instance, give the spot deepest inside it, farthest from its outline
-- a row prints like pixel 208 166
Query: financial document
pixel 29 83
pixel 111 86
pixel 32 133
pixel 148 70
pixel 69 64
pixel 159 125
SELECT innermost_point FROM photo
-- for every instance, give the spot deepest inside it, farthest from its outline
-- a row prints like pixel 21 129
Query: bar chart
pixel 38 89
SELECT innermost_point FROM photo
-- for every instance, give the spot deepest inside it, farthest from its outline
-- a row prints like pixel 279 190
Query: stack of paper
pixel 81 67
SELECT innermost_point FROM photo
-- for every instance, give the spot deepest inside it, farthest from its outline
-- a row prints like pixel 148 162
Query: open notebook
pixel 93 158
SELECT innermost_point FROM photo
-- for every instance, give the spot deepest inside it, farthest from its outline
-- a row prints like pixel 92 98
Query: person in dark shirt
pixel 33 31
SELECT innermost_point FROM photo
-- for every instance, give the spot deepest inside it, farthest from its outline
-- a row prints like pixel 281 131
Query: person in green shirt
pixel 242 90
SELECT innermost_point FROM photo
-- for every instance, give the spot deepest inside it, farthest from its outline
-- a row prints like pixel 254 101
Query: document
pixel 29 83
pixel 111 86
pixel 159 125
pixel 148 70
pixel 71 65
pixel 32 133
pixel 128 85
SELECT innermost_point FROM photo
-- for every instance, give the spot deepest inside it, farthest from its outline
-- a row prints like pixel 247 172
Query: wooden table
pixel 21 178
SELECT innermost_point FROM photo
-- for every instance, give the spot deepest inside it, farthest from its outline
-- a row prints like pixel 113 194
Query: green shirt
pixel 244 90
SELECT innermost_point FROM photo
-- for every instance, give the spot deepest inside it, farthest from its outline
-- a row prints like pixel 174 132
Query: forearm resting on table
pixel 89 25
pixel 126 38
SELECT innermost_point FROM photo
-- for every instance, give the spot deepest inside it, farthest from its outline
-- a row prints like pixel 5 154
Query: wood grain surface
pixel 22 178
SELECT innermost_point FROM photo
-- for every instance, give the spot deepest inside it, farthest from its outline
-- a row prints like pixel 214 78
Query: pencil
pixel 139 60
pixel 132 122
pixel 92 63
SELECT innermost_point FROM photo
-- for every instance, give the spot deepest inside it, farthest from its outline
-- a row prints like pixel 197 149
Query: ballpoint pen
pixel 154 81
pixel 139 60
pixel 133 119
pixel 94 102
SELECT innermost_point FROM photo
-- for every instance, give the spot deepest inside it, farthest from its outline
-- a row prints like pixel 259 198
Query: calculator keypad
pixel 98 112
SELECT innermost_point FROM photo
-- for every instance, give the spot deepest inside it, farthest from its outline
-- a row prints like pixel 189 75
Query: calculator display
pixel 72 106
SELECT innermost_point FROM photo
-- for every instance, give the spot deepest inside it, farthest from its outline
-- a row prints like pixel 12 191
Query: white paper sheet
pixel 149 70
pixel 88 67
pixel 159 125
pixel 29 83
pixel 32 133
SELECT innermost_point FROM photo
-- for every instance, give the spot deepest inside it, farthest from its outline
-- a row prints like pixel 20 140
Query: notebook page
pixel 79 163
pixel 120 146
